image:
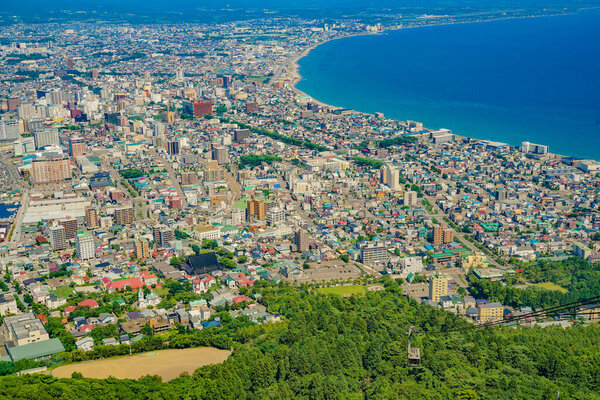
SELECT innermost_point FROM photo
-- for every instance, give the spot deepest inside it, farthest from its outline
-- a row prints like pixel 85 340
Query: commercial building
pixel 9 130
pixel 438 287
pixel 45 137
pixel 84 244
pixel 123 216
pixel 50 169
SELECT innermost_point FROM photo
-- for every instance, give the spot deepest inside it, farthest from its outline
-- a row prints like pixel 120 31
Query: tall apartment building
pixel 241 134
pixel 392 177
pixel 58 238
pixel 45 137
pixel 219 154
pixel 410 198
pixel 257 208
pixel 438 287
pixel 142 249
pixel 124 216
pixel 77 146
pixel 301 240
pixel 442 235
pixel 162 235
pixel 173 147
pixel 374 252
pixel 91 218
pixel 50 169
pixel 84 244
pixel 70 226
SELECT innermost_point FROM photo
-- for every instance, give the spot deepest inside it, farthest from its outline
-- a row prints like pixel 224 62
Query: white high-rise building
pixel 393 177
pixel 84 244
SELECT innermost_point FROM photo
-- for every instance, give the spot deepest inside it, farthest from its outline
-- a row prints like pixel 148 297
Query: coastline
pixel 293 75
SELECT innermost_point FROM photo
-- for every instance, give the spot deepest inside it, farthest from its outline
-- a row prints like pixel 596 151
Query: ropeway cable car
pixel 414 353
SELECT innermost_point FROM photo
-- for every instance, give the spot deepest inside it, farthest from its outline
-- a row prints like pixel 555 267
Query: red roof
pixel 239 299
pixel 134 283
pixel 89 302
pixel 70 309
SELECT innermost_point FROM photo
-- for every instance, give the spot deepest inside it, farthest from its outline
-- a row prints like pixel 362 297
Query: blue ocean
pixel 532 79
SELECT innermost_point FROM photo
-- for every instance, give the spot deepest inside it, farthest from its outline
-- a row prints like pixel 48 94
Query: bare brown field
pixel 166 363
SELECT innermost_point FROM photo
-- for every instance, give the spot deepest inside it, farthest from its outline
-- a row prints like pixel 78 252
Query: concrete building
pixel 9 130
pixel 220 155
pixel 442 235
pixel 374 252
pixel 58 238
pixel 241 135
pixel 91 218
pixel 23 329
pixel 410 198
pixel 70 226
pixel 275 216
pixel 123 216
pixel 301 240
pixel 8 304
pixel 77 146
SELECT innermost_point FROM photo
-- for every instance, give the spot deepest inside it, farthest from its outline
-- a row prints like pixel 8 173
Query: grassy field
pixel 168 364
pixel 63 291
pixel 551 286
pixel 343 290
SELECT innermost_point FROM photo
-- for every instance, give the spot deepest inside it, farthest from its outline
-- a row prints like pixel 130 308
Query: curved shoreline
pixel 292 71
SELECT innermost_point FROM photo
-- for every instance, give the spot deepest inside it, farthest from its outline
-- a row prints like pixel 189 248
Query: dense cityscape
pixel 165 186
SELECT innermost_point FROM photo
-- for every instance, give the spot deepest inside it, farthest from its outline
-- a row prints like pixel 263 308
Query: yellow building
pixel 142 249
pixel 491 312
pixel 438 287
pixel 474 260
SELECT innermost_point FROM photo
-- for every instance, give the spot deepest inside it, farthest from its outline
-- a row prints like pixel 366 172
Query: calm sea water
pixel 535 79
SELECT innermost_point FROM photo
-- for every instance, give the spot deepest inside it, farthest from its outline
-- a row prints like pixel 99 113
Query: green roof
pixel 36 350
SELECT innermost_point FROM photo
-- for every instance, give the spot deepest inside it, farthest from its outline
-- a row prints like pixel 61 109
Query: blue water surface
pixel 532 79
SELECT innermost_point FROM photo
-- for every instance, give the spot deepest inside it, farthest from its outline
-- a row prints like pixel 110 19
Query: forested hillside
pixel 355 348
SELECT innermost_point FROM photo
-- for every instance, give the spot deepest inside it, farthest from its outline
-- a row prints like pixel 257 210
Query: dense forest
pixel 580 278
pixel 330 347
